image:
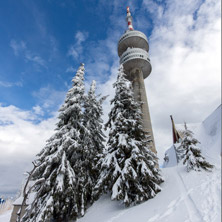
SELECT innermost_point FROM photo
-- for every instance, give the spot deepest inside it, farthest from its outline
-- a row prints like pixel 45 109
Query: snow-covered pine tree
pixel 92 118
pixel 93 147
pixel 94 124
pixel 193 157
pixel 58 199
pixel 128 168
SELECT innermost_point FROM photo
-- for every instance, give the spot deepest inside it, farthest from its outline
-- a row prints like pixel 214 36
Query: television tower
pixel 133 50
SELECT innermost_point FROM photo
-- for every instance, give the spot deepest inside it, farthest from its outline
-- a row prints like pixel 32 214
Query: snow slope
pixel 185 197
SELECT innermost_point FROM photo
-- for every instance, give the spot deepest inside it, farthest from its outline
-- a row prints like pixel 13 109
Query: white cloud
pixel 20 48
pixel 34 58
pixel 49 98
pixel 70 69
pixel 38 110
pixel 81 37
pixel 101 57
pixel 20 140
pixel 76 49
pixel 10 84
pixel 17 46
pixel 185 56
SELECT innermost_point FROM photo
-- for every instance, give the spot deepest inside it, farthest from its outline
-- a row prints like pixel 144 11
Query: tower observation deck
pixel 133 48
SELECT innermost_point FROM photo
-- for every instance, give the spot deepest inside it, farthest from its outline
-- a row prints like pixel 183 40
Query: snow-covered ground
pixel 185 197
pixel 5 217
pixel 193 197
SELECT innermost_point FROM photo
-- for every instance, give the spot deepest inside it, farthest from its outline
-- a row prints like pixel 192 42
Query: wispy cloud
pixel 76 49
pixel 34 58
pixel 70 69
pixel 20 48
pixel 54 46
pixel 17 47
pixel 100 56
pixel 10 84
pixel 81 37
pixel 38 110
pixel 49 99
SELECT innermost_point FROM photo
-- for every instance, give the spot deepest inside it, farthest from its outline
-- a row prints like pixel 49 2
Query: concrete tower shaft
pixel 133 48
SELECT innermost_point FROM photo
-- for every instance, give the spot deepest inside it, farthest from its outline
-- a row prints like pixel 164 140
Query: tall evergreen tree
pixel 92 118
pixel 193 157
pixel 93 146
pixel 94 124
pixel 58 198
pixel 128 168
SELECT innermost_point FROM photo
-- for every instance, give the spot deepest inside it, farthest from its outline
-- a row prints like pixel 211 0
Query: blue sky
pixel 35 40
pixel 42 43
pixel 42 40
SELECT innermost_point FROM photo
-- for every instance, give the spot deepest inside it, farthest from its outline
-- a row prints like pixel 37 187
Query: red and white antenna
pixel 129 19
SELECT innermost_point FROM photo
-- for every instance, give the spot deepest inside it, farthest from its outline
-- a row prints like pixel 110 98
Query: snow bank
pixel 170 159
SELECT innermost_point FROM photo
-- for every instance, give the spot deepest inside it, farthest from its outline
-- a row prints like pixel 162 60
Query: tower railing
pixel 134 53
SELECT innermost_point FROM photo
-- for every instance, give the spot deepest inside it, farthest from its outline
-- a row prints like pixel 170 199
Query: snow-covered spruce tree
pixel 93 147
pixel 60 163
pixel 92 118
pixel 128 167
pixel 193 157
pixel 94 124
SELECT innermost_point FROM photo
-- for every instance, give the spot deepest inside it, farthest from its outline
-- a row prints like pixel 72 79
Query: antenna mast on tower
pixel 129 19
